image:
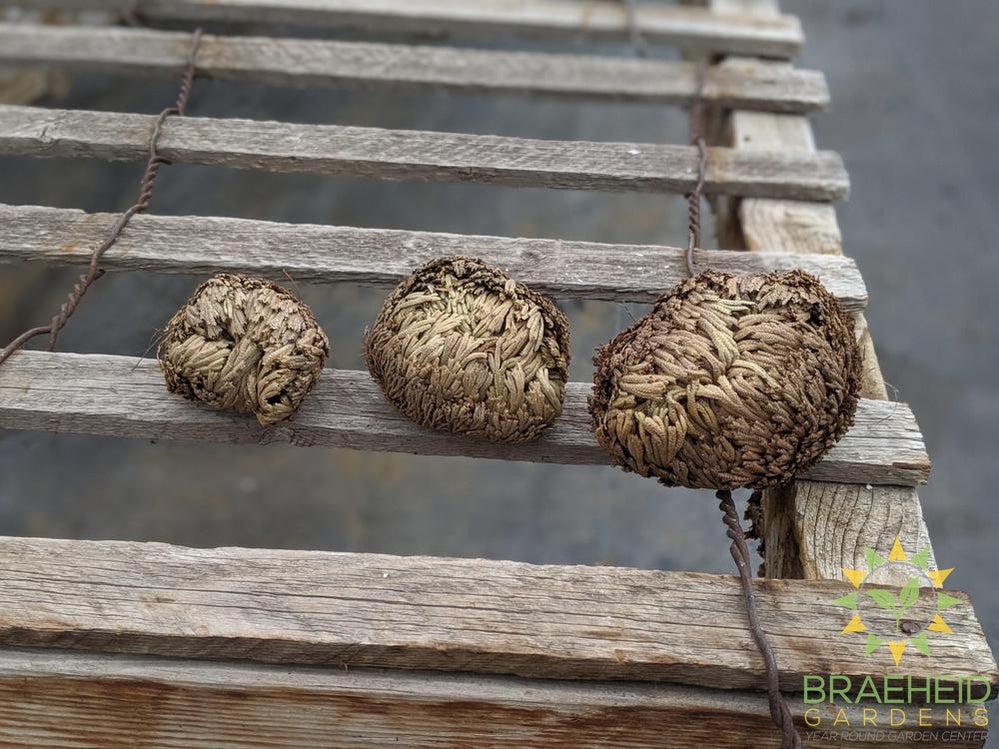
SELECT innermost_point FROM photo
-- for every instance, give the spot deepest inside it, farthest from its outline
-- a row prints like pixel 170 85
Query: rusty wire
pixel 696 132
pixel 779 710
pixel 697 140
pixel 780 713
pixel 146 185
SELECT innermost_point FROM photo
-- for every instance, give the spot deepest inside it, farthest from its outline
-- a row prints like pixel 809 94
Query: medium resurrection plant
pixel 459 346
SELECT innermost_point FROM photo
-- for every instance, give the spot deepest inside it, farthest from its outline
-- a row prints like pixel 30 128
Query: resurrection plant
pixel 729 382
pixel 459 346
pixel 243 344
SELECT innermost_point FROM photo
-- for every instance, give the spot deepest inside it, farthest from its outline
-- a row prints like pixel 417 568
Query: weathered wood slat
pixel 473 615
pixel 406 154
pixel 308 252
pixel 58 699
pixel 758 85
pixel 123 396
pixel 691 28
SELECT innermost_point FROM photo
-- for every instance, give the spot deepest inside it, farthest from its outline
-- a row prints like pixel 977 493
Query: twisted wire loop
pixel 461 347
pixel 146 185
pixel 780 713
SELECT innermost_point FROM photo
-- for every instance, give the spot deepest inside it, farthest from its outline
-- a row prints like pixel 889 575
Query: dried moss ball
pixel 729 382
pixel 459 346
pixel 246 345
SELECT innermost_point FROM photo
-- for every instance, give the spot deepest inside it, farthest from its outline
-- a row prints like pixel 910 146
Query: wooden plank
pixel 309 252
pixel 410 154
pixel 690 28
pixel 473 615
pixel 821 528
pixel 125 397
pixel 815 529
pixel 53 700
pixel 872 383
pixel 296 62
pixel 782 225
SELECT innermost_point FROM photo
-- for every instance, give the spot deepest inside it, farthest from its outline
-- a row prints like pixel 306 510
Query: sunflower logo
pixel 902 618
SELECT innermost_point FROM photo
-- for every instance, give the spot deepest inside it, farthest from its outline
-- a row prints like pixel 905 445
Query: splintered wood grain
pixel 471 615
pixel 56 700
pixel 409 154
pixel 690 28
pixel 825 527
pixel 296 62
pixel 125 397
pixel 308 252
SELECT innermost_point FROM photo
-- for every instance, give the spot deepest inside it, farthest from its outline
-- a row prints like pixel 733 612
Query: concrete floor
pixel 914 111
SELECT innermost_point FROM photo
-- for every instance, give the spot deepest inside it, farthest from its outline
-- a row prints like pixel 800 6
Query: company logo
pixel 898 618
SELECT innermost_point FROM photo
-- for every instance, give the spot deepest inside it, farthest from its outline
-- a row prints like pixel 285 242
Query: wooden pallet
pixel 114 643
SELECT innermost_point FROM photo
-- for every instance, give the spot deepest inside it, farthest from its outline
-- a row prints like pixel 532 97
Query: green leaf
pixel 849 600
pixel 922 559
pixel 920 643
pixel 873 559
pixel 909 594
pixel 945 601
pixel 883 598
pixel 873 643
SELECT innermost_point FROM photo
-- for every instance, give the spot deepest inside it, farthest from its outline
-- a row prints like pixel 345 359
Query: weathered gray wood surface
pixel 123 396
pixel 819 528
pixel 60 699
pixel 755 85
pixel 410 154
pixel 691 28
pixel 782 225
pixel 476 615
pixel 309 252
